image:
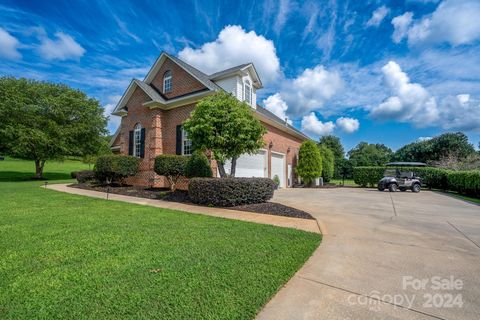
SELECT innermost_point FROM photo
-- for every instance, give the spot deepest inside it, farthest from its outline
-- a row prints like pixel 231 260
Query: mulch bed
pixel 277 208
pixel 181 196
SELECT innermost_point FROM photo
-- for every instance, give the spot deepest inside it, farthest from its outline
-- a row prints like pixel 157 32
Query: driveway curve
pixel 385 256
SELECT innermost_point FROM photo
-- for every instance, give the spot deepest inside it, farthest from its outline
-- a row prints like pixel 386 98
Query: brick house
pixel 154 109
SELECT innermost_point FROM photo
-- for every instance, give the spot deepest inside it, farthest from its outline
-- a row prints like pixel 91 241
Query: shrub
pixel 367 176
pixel 73 174
pixel 465 182
pixel 228 192
pixel 172 167
pixel 115 168
pixel 84 176
pixel 433 177
pixel 328 165
pixel 276 180
pixel 309 162
pixel 198 166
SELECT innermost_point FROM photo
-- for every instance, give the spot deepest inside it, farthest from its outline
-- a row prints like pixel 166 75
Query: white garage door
pixel 248 166
pixel 278 168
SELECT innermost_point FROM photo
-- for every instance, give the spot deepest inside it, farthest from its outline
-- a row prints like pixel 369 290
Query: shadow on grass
pixel 16 176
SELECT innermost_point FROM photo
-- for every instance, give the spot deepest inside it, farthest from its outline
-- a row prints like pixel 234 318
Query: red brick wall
pixel 182 81
pixel 281 142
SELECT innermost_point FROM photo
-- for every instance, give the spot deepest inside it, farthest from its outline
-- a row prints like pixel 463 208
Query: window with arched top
pixel 137 140
pixel 167 82
pixel 247 92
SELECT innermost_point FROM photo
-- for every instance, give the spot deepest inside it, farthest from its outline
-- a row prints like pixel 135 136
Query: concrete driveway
pixel 385 256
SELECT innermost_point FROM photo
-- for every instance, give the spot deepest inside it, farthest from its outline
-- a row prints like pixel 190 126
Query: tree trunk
pixel 39 164
pixel 221 170
pixel 233 167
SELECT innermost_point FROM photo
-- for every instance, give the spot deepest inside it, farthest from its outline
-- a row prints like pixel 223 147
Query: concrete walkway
pixel 279 221
pixel 379 249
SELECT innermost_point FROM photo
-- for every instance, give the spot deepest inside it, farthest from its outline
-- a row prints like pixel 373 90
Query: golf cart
pixel 397 176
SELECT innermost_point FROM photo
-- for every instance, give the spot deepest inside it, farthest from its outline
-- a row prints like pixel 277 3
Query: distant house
pixel 154 109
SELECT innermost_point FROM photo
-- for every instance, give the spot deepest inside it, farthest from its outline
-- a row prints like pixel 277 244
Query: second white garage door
pixel 278 168
pixel 248 166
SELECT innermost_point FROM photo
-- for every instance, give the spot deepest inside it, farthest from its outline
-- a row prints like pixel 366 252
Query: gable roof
pixel 149 91
pixel 197 74
pixel 271 116
pixel 240 68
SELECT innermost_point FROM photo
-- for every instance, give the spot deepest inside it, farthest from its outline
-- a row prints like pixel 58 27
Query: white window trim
pixel 137 136
pixel 184 139
pixel 167 77
pixel 245 86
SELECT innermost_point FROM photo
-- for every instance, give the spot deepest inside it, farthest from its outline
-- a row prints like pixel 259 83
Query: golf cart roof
pixel 401 164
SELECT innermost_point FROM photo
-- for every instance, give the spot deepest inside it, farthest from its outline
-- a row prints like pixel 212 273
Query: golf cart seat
pixel 406 174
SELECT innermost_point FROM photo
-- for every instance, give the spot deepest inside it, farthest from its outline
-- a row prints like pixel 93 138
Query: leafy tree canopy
pixel 328 163
pixel 309 162
pixel 226 126
pixel 453 145
pixel 43 121
pixel 333 143
pixel 366 154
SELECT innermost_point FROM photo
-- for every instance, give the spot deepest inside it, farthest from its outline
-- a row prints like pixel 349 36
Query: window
pixel 247 92
pixel 186 144
pixel 137 140
pixel 167 81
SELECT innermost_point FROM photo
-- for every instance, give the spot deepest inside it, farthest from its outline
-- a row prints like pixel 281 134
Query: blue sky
pixel 377 71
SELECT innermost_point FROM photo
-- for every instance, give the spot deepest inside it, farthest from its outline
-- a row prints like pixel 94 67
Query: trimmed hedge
pixel 84 176
pixel 229 192
pixel 198 166
pixel 464 182
pixel 367 176
pixel 115 168
pixel 171 166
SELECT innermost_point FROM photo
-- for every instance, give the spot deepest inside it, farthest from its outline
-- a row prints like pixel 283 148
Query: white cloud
pixel 460 112
pixel 284 9
pixel 348 125
pixel 277 106
pixel 113 121
pixel 378 16
pixel 410 102
pixel 420 139
pixel 454 21
pixel 311 125
pixel 235 46
pixel 64 47
pixel 9 46
pixel 311 89
pixel 401 25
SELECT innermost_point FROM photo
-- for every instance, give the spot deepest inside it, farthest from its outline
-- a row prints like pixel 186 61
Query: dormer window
pixel 167 82
pixel 247 92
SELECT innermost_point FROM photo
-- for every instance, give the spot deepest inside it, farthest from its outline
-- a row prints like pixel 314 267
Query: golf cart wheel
pixel 416 188
pixel 381 188
pixel 392 187
pixel 403 189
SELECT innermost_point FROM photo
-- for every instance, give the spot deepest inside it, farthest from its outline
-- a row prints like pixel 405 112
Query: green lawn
pixel 348 182
pixel 67 256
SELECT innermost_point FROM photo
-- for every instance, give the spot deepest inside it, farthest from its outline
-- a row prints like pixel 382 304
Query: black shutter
pixel 130 143
pixel 142 143
pixel 179 139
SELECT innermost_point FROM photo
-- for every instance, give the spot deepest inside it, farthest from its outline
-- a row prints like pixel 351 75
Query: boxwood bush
pixel 115 168
pixel 228 192
pixel 198 166
pixel 170 166
pixel 84 176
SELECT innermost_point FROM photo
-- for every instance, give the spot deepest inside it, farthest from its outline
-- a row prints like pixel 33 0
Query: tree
pixel 172 167
pixel 309 162
pixel 333 143
pixel 366 154
pixel 43 121
pixel 452 146
pixel 227 127
pixel 328 163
